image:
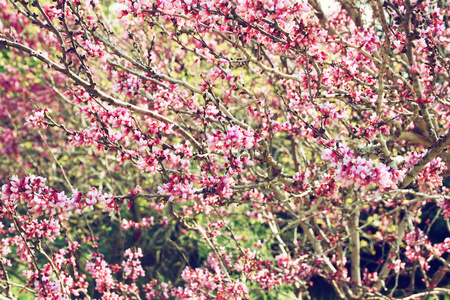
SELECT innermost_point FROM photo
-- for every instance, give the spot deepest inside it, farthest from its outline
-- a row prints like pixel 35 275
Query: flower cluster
pixel 352 170
pixel 132 266
pixel 430 177
pixel 40 199
pixel 35 120
pixel 444 204
pixel 235 137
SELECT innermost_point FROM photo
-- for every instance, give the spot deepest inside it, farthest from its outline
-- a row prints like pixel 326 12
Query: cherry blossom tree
pixel 243 149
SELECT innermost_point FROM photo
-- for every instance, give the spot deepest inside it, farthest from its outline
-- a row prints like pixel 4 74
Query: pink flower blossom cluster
pixel 349 169
pixel 99 269
pixel 329 115
pixel 444 204
pixel 259 271
pixel 35 120
pixel 218 185
pixel 235 138
pixel 179 189
pixel 430 177
pixel 373 127
pixel 106 200
pixel 145 223
pixel 132 266
pixel 40 199
pixel 417 242
pixel 294 269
